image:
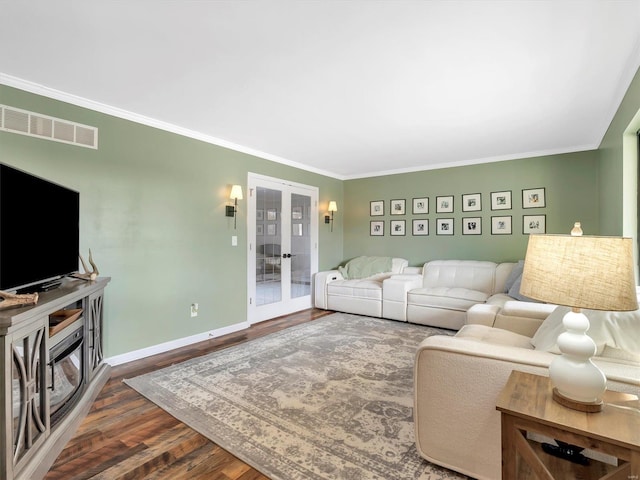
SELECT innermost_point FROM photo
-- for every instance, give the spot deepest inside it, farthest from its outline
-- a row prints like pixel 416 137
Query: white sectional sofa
pixel 437 294
pixel 457 380
pixel 359 293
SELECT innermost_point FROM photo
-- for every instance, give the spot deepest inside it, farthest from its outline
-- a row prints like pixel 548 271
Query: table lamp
pixel 578 271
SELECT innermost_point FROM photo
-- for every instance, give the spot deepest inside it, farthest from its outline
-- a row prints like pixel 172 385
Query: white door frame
pixel 288 305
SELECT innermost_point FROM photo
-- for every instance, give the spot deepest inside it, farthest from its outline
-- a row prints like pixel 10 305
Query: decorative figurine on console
pixel 17 300
pixel 89 276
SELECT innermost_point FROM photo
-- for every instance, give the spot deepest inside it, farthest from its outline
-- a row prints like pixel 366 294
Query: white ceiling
pixel 346 88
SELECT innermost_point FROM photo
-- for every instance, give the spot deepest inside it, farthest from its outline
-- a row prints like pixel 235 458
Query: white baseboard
pixel 180 342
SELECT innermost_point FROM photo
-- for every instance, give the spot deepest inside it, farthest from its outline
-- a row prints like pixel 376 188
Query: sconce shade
pixel 332 206
pixel 595 273
pixel 236 193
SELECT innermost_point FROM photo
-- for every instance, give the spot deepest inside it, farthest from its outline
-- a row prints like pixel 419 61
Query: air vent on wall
pixel 33 124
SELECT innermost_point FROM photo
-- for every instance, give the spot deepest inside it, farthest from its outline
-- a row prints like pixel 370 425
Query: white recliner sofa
pixel 443 291
pixel 361 292
pixel 457 379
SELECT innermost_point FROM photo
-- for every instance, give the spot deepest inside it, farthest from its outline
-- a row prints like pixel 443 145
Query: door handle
pixel 286 255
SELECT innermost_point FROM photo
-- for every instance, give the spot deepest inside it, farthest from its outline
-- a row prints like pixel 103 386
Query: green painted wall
pixel 619 167
pixel 152 212
pixel 571 187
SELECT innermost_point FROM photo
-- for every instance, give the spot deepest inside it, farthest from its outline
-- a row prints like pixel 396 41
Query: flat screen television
pixel 39 231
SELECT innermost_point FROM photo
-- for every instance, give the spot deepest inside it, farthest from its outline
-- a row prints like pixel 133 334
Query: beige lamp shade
pixel 236 193
pixel 332 206
pixel 595 273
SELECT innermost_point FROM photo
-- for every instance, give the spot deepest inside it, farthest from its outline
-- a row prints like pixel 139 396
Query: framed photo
pixel 533 198
pixel 376 228
pixel 501 225
pixel 420 205
pixel 296 229
pixel 501 200
pixel 534 224
pixel 271 229
pixel 398 207
pixel 444 204
pixel 472 226
pixel 260 229
pixel 376 208
pixel 296 213
pixel 397 227
pixel 472 202
pixel 444 226
pixel 259 215
pixel 421 227
pixel 272 214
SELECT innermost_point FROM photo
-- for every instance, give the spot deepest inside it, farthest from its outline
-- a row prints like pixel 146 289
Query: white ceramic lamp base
pixel 578 382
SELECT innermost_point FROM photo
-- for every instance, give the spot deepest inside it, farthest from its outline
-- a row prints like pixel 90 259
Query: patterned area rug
pixel 330 399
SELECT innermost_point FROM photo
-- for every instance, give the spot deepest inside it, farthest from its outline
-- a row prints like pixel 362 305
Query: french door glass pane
pixel 300 245
pixel 268 245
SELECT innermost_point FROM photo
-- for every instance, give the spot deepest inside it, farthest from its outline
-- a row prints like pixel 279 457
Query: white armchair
pixel 457 382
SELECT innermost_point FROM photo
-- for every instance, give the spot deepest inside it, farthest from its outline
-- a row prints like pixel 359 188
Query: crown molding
pixel 54 94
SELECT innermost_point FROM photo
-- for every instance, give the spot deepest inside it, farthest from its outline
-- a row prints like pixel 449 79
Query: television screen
pixel 39 229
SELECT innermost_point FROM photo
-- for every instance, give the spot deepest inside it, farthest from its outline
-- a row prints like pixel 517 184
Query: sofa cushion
pixel 494 336
pixel 514 291
pixel 619 330
pixel 516 272
pixel 446 297
pixel 359 288
pixel 363 267
pixel 468 274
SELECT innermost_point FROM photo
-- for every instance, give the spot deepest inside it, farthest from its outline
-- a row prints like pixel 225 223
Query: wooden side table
pixel 526 405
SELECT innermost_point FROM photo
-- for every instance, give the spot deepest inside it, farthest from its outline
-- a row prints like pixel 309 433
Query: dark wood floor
pixel 125 436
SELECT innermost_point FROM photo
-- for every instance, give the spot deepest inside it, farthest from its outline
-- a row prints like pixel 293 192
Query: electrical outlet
pixel 194 309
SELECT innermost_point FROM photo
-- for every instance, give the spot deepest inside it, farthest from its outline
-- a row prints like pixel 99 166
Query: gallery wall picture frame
pixel 444 204
pixel 272 214
pixel 534 224
pixel 472 226
pixel 296 213
pixel 259 215
pixel 376 208
pixel 420 205
pixel 271 229
pixel 501 200
pixel 501 225
pixel 398 207
pixel 444 226
pixel 471 202
pixel 260 229
pixel 376 228
pixel 421 226
pixel 534 198
pixel 296 229
pixel 398 227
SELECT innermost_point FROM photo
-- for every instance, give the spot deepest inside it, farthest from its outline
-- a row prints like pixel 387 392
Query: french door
pixel 282 247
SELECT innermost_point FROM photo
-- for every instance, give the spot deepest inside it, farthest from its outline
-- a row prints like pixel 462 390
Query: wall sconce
pixel 232 210
pixel 332 208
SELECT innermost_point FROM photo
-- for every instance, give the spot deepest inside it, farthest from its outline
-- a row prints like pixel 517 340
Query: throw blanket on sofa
pixel 363 267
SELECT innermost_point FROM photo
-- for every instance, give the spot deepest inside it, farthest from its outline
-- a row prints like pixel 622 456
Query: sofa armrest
pixel 394 295
pixel 520 317
pixel 412 271
pixel 523 317
pixel 482 314
pixel 320 287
